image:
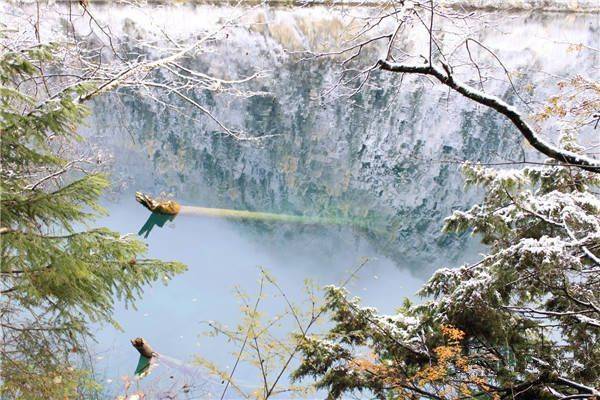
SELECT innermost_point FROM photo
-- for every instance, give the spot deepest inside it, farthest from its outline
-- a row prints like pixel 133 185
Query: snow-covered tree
pixel 523 322
pixel 58 274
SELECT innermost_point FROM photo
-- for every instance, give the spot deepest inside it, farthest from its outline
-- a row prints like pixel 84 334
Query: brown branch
pixel 61 171
pixel 445 76
pixel 582 388
pixel 250 329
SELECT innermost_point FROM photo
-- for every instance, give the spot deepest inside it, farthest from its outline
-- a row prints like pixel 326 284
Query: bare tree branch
pixel 446 77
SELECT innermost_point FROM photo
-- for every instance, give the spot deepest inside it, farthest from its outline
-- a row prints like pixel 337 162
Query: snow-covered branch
pixel 446 77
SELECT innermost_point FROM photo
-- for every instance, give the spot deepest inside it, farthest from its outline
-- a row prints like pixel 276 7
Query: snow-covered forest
pixel 379 199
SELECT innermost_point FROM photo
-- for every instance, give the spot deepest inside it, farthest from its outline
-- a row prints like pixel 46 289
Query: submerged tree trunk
pixel 171 207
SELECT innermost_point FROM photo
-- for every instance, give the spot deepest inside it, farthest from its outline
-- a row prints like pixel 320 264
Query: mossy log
pixel 167 207
pixel 142 346
pixel 171 207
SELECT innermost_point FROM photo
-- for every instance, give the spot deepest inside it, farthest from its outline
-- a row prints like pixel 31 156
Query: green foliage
pixel 265 343
pixel 58 275
pixel 528 310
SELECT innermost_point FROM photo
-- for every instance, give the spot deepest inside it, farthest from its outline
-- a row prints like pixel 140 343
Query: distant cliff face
pixel 381 156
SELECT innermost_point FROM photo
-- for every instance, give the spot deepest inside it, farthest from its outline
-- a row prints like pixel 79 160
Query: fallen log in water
pixel 171 207
pixel 147 356
pixel 167 207
pixel 142 346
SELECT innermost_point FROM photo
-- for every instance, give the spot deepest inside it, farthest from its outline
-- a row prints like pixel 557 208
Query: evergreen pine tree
pixel 58 273
pixel 522 323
